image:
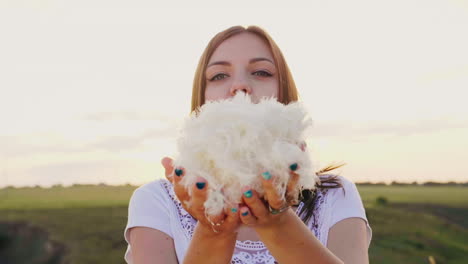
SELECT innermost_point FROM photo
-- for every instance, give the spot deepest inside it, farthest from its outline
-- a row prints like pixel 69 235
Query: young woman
pixel 329 225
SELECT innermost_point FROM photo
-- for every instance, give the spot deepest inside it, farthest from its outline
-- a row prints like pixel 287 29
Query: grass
pixel 417 222
pixel 78 196
pixel 91 235
pixel 411 237
pixel 452 196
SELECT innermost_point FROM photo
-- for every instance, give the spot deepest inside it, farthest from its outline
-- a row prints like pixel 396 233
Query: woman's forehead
pixel 241 47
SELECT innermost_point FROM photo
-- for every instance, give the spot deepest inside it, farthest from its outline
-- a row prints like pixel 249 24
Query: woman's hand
pixel 265 212
pixel 225 223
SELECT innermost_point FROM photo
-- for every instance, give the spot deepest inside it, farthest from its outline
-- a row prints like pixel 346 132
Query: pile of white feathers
pixel 231 142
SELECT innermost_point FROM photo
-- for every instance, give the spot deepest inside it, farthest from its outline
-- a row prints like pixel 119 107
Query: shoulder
pixel 339 178
pixel 150 206
pixel 155 185
pixel 347 190
pixel 154 193
pixel 345 203
pixel 156 188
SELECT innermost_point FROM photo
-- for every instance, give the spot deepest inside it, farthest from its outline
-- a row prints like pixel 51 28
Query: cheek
pixel 215 93
pixel 269 89
pixel 275 91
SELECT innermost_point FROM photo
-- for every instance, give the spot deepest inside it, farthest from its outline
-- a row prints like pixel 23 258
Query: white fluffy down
pixel 231 142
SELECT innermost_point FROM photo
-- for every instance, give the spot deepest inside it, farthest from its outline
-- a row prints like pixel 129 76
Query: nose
pixel 240 85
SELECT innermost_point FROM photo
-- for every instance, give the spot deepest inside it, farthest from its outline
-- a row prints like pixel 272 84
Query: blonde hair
pixel 287 88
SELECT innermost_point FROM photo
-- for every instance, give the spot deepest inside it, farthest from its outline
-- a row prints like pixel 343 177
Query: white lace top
pixel 155 205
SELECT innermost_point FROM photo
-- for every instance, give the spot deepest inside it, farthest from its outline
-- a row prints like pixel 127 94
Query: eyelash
pixel 264 74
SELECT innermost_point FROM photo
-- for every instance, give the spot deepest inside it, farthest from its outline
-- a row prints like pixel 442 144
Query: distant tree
pixel 431 183
pixel 380 183
pixel 81 185
pixel 370 183
pixel 364 183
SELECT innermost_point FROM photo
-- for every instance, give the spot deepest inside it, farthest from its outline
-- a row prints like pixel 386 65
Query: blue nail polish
pixel 245 213
pixel 200 185
pixel 234 210
pixel 248 193
pixel 266 175
pixel 178 172
pixel 293 166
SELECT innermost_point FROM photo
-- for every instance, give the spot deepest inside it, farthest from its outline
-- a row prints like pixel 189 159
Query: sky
pixel 94 91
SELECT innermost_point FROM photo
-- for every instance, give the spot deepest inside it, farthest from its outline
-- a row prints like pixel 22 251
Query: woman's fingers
pixel 197 200
pixel 254 202
pixel 247 217
pixel 254 210
pixel 232 216
pixel 228 221
pixel 194 203
pixel 274 199
pixel 199 195
pixel 218 222
pixel 179 189
pixel 169 169
pixel 292 192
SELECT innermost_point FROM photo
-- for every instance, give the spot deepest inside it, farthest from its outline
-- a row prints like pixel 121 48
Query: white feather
pixel 230 142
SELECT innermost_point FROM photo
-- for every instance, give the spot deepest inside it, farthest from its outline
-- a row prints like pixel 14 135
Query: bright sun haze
pixel 93 91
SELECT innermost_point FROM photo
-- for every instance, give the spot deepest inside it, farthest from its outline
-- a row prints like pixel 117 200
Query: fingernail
pixel 178 172
pixel 293 166
pixel 266 175
pixel 245 213
pixel 248 193
pixel 234 210
pixel 200 185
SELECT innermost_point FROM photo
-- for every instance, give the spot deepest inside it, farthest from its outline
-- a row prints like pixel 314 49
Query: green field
pixel 86 223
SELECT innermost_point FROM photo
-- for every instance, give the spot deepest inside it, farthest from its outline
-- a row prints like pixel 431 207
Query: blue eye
pixel 218 77
pixel 263 73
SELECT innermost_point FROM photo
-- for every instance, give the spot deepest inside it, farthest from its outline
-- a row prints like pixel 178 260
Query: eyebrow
pixel 250 62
